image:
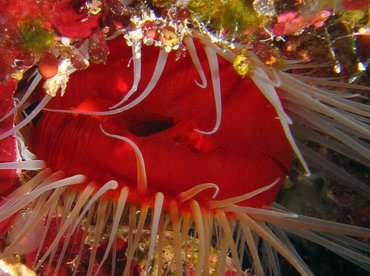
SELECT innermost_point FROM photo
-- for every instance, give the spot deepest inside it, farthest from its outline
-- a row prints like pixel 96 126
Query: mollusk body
pixel 178 160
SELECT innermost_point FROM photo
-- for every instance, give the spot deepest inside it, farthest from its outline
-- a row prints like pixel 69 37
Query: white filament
pixel 199 226
pixel 230 201
pixel 18 194
pixel 31 165
pixel 215 74
pixel 161 62
pixel 272 240
pixel 141 171
pixel 327 126
pixel 28 119
pixel 194 57
pixel 158 204
pixel 193 191
pixel 116 220
pixel 25 153
pixel 229 238
pixel 295 87
pixel 26 95
pixel 326 82
pixel 137 74
pixel 256 212
pixel 308 134
pixel 268 90
pixel 73 214
pixel 110 185
pixel 73 180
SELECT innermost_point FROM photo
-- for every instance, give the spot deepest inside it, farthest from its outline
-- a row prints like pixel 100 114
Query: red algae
pixel 248 152
pixel 70 18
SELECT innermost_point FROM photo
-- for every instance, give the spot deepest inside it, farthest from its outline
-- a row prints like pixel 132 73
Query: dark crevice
pixel 150 126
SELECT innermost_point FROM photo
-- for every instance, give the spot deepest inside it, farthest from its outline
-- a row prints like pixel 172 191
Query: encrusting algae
pixel 157 137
